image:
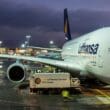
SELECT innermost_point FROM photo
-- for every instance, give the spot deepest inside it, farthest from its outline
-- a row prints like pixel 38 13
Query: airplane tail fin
pixel 66 25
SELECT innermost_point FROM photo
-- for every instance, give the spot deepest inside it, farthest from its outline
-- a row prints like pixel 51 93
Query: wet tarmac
pixel 13 99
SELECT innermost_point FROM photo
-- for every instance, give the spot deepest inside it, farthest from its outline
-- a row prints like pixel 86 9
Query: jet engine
pixel 16 72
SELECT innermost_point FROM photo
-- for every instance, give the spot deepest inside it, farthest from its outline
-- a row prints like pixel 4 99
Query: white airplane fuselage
pixel 92 52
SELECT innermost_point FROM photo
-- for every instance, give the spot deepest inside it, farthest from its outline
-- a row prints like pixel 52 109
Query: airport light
pixel 22 45
pixel 1 43
pixel 51 42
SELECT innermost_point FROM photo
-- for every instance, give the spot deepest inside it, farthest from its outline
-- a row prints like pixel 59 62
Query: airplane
pixel 87 55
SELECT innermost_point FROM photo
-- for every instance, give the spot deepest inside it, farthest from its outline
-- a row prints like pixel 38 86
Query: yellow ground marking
pixel 104 98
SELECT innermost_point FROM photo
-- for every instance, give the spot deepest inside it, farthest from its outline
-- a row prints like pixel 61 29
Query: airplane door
pixel 100 60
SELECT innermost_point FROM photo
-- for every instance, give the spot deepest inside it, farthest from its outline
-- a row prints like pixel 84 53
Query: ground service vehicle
pixel 53 82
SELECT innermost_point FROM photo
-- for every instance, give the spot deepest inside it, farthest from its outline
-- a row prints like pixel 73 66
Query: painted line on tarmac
pixel 105 99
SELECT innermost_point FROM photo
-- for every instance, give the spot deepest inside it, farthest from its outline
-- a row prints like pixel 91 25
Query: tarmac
pixel 12 98
pixel 90 98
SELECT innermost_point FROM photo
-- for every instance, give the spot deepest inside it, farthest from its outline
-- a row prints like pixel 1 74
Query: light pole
pixel 28 39
pixel 26 44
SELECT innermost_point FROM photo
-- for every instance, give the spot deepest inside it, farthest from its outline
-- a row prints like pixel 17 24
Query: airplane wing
pixel 69 66
pixel 41 48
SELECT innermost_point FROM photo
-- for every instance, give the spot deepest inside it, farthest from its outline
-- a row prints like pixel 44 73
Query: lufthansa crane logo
pixel 37 80
pixel 88 49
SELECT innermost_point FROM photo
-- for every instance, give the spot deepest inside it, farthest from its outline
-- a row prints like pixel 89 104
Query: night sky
pixel 43 20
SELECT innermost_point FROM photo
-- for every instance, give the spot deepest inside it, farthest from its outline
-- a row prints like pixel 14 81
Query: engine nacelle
pixel 16 72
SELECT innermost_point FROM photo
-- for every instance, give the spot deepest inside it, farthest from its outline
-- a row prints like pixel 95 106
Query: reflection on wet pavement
pixel 14 99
